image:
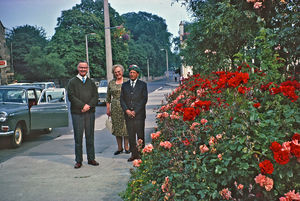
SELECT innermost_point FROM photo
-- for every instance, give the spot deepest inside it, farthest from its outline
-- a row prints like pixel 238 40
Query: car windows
pixel 12 95
pixel 53 95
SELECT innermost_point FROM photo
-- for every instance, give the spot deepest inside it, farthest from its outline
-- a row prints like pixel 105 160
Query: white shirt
pixel 132 83
pixel 80 77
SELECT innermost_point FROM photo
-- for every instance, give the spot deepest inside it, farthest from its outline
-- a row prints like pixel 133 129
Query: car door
pixel 50 113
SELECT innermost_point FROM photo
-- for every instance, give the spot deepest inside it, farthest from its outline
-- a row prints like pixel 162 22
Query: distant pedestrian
pixel 181 79
pixel 134 96
pixel 114 109
pixel 83 96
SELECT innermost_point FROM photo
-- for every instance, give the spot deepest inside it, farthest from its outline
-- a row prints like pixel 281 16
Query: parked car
pixel 102 91
pixel 47 85
pixel 24 108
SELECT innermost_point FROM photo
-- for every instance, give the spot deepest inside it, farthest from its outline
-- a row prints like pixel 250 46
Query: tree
pixel 42 66
pixel 69 39
pixel 23 38
pixel 148 35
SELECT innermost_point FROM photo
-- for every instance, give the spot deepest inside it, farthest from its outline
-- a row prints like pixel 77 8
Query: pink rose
pixel 137 162
pixel 291 195
pixel 268 184
pixel 204 121
pixel 220 157
pixel 219 136
pixel 240 187
pixel 148 148
pixel 154 136
pixel 166 144
pixel 225 193
pixel 212 140
pixel 260 179
pixel 203 148
pixel 257 5
pixel 194 125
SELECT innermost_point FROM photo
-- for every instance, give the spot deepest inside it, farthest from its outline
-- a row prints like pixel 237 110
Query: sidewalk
pixel 46 173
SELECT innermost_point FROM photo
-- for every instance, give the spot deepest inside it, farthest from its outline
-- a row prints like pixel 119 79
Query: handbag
pixel 108 124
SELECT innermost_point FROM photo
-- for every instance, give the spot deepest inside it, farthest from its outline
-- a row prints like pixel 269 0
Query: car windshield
pixel 103 83
pixel 12 96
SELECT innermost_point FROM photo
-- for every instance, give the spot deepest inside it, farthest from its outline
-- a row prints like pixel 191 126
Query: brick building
pixel 5 73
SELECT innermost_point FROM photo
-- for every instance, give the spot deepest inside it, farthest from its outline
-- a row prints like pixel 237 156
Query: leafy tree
pixel 148 36
pixel 42 66
pixel 69 39
pixel 23 38
pixel 226 30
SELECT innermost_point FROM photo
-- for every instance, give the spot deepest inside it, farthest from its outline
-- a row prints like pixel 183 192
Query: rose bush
pixel 227 136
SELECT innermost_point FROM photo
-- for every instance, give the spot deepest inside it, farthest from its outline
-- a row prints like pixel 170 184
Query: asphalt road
pixel 38 137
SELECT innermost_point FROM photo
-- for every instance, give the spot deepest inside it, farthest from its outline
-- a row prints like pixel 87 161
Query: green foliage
pixel 23 38
pixel 148 36
pixel 225 31
pixel 77 23
pixel 237 135
pixel 42 66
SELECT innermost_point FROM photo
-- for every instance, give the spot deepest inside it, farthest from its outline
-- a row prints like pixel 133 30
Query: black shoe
pixel 93 162
pixel 127 152
pixel 118 152
pixel 77 165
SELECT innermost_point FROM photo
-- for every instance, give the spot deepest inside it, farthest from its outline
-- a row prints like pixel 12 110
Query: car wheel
pixel 48 130
pixel 17 137
pixel 49 98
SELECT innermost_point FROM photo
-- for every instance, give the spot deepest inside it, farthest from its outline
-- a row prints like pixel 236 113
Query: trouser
pixel 84 122
pixel 135 127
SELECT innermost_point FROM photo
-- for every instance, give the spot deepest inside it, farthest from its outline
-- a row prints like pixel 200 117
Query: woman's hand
pixel 108 109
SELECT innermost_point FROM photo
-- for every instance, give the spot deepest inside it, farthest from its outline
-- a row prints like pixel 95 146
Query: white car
pixel 102 91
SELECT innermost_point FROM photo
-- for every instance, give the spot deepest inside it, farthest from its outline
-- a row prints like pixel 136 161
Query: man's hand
pixel 86 108
pixel 130 113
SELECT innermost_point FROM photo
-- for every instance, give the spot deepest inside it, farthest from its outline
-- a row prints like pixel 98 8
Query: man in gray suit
pixel 134 96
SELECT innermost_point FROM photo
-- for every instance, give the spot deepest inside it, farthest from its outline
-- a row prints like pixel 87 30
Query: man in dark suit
pixel 134 96
pixel 83 96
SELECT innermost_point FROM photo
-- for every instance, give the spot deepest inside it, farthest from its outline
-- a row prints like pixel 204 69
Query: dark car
pixel 24 108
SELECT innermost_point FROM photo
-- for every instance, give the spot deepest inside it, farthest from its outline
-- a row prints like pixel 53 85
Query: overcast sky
pixel 44 13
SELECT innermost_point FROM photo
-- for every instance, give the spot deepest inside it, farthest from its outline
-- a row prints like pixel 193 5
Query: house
pixel 5 72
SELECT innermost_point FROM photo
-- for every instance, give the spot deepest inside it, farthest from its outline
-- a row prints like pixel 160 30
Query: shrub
pixel 214 141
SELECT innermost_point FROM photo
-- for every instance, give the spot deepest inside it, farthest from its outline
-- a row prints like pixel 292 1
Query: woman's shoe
pixel 127 151
pixel 118 152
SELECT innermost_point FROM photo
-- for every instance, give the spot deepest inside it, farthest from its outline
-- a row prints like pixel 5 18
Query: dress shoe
pixel 93 162
pixel 127 152
pixel 118 152
pixel 77 165
pixel 131 159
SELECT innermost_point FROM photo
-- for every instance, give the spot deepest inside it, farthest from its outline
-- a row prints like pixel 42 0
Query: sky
pixel 44 13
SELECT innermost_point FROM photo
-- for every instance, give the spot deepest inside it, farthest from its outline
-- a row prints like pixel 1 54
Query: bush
pixel 214 137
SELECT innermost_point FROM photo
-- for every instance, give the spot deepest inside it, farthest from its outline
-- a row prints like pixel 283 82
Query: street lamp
pixel 166 62
pixel 87 51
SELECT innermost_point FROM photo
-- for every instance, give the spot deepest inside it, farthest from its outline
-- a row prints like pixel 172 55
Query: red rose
pixel 266 167
pixel 275 146
pixel 295 148
pixel 256 105
pixel 282 157
pixel 189 114
pixel 296 136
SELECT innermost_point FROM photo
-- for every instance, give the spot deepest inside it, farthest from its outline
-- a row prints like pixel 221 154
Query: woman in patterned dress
pixel 113 108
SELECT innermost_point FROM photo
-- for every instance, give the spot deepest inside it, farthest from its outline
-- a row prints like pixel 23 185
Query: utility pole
pixel 109 75
pixel 87 51
pixel 167 63
pixel 148 69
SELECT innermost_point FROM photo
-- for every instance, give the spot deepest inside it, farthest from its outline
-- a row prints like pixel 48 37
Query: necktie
pixel 132 84
pixel 83 80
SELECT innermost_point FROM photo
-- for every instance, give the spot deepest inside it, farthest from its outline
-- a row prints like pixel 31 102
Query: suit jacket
pixel 134 98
